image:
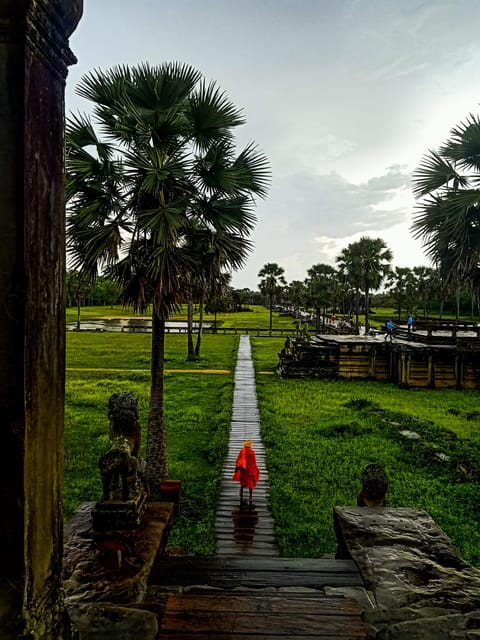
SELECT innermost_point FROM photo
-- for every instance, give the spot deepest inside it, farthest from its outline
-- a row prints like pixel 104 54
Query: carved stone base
pixel 120 514
pixel 111 566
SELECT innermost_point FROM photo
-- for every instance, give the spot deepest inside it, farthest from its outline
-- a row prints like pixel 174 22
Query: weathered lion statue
pixel 119 465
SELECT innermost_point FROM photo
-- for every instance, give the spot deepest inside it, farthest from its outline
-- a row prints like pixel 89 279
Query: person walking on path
pixel 409 324
pixel 390 326
pixel 246 471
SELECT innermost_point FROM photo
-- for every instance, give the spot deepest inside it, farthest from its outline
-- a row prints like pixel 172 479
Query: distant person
pixel 390 327
pixel 246 471
pixel 410 324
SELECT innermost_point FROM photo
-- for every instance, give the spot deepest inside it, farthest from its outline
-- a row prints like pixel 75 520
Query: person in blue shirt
pixel 409 324
pixel 390 326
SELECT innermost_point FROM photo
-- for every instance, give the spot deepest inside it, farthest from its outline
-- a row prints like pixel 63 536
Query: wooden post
pixel 34 57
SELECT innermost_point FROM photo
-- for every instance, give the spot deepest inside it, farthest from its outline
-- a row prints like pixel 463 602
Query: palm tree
pixel 349 267
pixel 212 252
pixel 271 284
pixel 375 261
pixel 447 219
pixel 428 286
pixel 368 262
pixel 320 286
pixel 164 159
pixel 402 287
pixel 296 294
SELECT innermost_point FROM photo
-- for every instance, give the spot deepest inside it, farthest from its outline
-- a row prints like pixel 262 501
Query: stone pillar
pixel 34 57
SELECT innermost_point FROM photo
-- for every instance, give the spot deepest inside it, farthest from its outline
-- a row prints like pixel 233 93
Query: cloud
pixel 328 205
pixel 308 219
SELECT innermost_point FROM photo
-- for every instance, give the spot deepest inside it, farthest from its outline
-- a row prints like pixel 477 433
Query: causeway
pixel 246 591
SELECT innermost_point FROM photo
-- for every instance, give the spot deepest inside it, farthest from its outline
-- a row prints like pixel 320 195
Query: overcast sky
pixel 343 96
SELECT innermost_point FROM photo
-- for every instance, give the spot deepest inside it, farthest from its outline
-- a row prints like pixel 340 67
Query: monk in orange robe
pixel 246 470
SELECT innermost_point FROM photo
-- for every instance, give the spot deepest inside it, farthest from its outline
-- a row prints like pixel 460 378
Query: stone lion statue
pixel 119 467
pixel 374 487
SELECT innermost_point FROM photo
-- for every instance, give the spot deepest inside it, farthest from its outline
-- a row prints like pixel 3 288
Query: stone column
pixel 34 57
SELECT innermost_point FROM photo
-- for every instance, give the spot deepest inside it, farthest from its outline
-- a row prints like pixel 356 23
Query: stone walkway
pixel 241 530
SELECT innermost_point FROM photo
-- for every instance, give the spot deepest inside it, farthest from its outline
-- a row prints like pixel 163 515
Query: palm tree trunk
pixel 200 328
pixel 367 309
pixel 271 312
pixel 190 347
pixel 357 305
pixel 157 469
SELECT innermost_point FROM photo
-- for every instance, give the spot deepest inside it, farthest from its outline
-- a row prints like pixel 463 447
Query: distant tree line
pixel 363 268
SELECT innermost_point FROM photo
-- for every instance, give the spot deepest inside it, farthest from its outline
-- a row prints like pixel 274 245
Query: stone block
pixel 112 566
pixel 417 576
pixel 112 622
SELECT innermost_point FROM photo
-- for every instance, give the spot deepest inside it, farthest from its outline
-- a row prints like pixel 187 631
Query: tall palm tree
pixel 296 294
pixel 271 284
pixel 164 158
pixel 375 260
pixel 212 252
pixel 447 219
pixel 428 287
pixel 402 287
pixel 349 266
pixel 368 261
pixel 320 286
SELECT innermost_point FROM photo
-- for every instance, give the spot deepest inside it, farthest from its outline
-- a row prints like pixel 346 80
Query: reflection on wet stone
pixel 245 519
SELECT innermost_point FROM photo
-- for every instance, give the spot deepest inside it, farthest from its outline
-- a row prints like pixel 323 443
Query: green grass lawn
pixel 198 411
pixel 131 351
pixel 319 435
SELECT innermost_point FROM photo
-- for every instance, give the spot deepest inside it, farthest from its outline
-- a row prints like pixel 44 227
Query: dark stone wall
pixel 34 56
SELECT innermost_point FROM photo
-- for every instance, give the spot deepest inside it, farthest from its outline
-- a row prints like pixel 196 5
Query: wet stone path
pixel 240 529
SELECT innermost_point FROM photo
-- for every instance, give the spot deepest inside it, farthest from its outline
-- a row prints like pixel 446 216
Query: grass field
pixel 198 409
pixel 318 435
pixel 336 428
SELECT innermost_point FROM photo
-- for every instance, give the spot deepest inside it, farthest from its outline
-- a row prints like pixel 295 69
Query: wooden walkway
pixel 247 592
pixel 241 530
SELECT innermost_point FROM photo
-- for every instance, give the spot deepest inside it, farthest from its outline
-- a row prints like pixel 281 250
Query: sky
pixel 344 97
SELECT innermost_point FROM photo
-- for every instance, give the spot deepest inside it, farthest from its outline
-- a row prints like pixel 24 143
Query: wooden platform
pixel 252 598
pixel 236 617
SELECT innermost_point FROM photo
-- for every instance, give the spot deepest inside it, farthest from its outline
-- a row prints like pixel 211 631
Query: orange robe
pixel 246 470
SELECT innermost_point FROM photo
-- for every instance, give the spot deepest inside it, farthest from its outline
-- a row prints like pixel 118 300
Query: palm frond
pixel 228 214
pixel 433 173
pixel 212 115
pixel 253 172
pixel 463 147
